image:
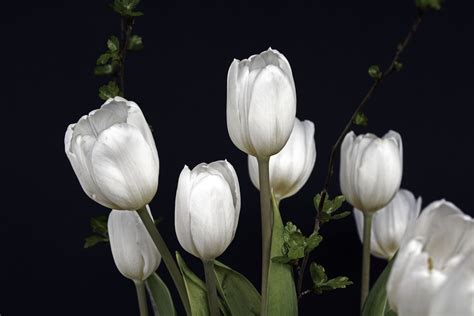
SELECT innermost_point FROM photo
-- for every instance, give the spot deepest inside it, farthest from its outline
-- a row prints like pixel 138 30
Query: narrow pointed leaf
pixel 160 296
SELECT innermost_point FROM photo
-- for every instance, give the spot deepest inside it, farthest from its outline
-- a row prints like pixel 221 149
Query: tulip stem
pixel 211 287
pixel 167 257
pixel 267 225
pixel 364 292
pixel 141 294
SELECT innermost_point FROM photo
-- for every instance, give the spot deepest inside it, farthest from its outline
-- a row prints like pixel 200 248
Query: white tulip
pixel 429 253
pixel 456 296
pixel 261 103
pixel 114 156
pixel 134 252
pixel 292 166
pixel 390 223
pixel 207 208
pixel 371 169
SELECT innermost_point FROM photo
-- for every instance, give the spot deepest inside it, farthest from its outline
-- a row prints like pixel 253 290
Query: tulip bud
pixel 207 208
pixel 371 169
pixel 430 252
pixel 261 103
pixel 390 223
pixel 114 156
pixel 134 252
pixel 292 166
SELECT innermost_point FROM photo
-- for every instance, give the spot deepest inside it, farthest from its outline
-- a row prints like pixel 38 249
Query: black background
pixel 179 80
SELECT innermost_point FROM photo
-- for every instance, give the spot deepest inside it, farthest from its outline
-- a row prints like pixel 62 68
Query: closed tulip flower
pixel 429 254
pixel 113 154
pixel 292 166
pixel 371 169
pixel 134 252
pixel 390 223
pixel 261 103
pixel 207 208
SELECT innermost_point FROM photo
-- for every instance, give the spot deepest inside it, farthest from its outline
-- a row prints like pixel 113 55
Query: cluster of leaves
pixel 429 4
pixel 296 245
pixel 101 234
pixel 111 61
pixel 322 283
pixel 328 213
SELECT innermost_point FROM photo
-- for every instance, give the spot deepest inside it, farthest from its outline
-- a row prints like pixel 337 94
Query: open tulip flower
pixel 390 223
pixel 429 256
pixel 371 169
pixel 114 156
pixel 292 166
pixel 261 103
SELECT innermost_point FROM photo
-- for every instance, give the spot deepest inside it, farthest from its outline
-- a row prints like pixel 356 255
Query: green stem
pixel 211 287
pixel 140 286
pixel 167 257
pixel 364 292
pixel 267 225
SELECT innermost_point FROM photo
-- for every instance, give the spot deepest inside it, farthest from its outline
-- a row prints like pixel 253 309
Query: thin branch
pixel 126 31
pixel 390 69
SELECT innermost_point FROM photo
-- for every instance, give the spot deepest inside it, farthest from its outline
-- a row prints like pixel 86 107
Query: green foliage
pixel 104 70
pixel 99 227
pixel 109 90
pixel 160 296
pixel 377 303
pixel 374 72
pixel 135 43
pixel 397 65
pixel 282 298
pixel 361 119
pixel 296 245
pixel 321 282
pixel 328 213
pixel 238 294
pixel 126 8
pixel 429 4
pixel 113 44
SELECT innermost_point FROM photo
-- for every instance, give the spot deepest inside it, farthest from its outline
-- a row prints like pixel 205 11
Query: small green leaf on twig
pixel 397 65
pixel 429 4
pixel 374 72
pixel 104 58
pixel 109 90
pixel 99 227
pixel 321 282
pixel 328 213
pixel 126 7
pixel 103 70
pixel 113 43
pixel 94 240
pixel 135 43
pixel 361 119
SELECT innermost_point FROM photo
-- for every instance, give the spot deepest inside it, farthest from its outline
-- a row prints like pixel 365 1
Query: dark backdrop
pixel 49 50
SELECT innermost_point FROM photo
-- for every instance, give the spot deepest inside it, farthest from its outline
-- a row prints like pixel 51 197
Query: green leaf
pixel 397 65
pixel 94 240
pixel 282 259
pixel 361 119
pixel 339 282
pixel 160 296
pixel 377 303
pixel 281 286
pixel 113 44
pixel 329 207
pixel 239 294
pixel 109 90
pixel 135 43
pixel 318 274
pixel 341 215
pixel 374 72
pixel 429 4
pixel 126 7
pixel 99 224
pixel 313 241
pixel 321 282
pixel 103 70
pixel 103 58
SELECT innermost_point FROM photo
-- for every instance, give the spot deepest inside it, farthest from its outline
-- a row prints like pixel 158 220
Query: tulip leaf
pixel 376 303
pixel 281 286
pixel 239 294
pixel 196 289
pixel 160 296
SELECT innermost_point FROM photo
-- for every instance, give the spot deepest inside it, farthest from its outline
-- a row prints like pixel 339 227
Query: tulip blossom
pixel 371 169
pixel 390 223
pixel 292 166
pixel 207 208
pixel 429 255
pixel 114 156
pixel 261 103
pixel 134 252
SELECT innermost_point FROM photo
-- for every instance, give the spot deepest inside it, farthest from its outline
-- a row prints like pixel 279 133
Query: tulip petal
pixel 125 167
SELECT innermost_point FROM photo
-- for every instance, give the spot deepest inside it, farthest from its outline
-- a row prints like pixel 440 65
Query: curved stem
pixel 167 257
pixel 364 292
pixel 211 287
pixel 141 295
pixel 267 225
